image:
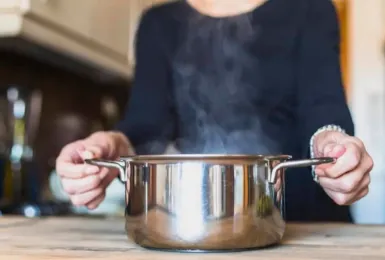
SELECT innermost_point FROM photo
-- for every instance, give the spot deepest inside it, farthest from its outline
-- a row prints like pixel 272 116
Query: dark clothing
pixel 264 89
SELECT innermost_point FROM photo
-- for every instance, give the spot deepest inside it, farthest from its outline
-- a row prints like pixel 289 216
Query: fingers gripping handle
pixel 297 164
pixel 120 165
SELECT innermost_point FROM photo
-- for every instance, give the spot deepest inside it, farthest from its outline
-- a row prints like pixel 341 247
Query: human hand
pixel 86 184
pixel 348 179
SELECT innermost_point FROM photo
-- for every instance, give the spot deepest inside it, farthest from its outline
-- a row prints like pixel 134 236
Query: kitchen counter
pixel 105 238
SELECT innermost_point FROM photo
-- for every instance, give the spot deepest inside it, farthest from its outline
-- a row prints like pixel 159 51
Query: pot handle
pixel 121 165
pixel 299 163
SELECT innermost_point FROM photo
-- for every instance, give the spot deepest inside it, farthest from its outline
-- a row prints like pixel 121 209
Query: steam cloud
pixel 212 70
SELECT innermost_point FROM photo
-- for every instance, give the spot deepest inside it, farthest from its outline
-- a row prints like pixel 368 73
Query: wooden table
pixel 104 238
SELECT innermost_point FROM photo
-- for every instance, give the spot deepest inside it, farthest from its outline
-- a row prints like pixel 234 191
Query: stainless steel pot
pixel 205 202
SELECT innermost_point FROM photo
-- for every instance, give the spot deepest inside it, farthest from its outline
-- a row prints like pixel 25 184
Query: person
pixel 246 77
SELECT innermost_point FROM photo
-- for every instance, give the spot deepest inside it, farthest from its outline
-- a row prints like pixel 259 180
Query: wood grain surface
pixel 105 238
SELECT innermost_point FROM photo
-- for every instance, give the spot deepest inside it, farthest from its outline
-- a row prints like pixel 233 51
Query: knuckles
pixel 340 199
pixel 76 201
pixel 68 189
pixel 94 205
pixel 370 163
pixel 80 200
pixel 359 143
pixel 350 186
pixel 343 199
pixel 355 155
pixel 89 183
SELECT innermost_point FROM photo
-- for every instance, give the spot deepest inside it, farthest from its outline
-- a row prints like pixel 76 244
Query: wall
pixel 367 99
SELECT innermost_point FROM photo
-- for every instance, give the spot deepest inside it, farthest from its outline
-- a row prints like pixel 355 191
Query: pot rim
pixel 220 158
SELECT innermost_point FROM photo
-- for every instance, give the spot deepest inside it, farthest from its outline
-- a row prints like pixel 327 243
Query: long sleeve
pixel 321 98
pixel 149 120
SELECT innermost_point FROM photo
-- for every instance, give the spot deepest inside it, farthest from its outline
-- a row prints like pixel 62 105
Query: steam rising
pixel 212 70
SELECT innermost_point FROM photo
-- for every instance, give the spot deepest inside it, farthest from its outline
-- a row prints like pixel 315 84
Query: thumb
pixel 332 149
pixel 91 152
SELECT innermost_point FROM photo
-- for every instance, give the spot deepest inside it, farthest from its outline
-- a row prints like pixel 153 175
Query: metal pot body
pixel 205 203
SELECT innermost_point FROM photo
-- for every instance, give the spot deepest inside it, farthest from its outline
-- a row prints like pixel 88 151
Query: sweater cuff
pixel 336 128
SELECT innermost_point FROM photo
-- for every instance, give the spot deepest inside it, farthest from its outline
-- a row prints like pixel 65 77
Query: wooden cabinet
pixel 136 10
pixel 94 31
pixel 101 32
pixel 71 15
pixel 111 24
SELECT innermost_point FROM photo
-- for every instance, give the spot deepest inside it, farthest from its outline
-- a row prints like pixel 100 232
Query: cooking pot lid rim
pixel 203 157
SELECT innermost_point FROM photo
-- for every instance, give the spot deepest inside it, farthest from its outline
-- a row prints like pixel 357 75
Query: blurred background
pixel 66 69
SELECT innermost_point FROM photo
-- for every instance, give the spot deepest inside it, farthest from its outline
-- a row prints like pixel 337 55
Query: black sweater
pixel 211 87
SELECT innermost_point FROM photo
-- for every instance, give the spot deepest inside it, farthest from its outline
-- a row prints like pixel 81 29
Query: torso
pixel 236 92
pixel 234 89
pixel 224 8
